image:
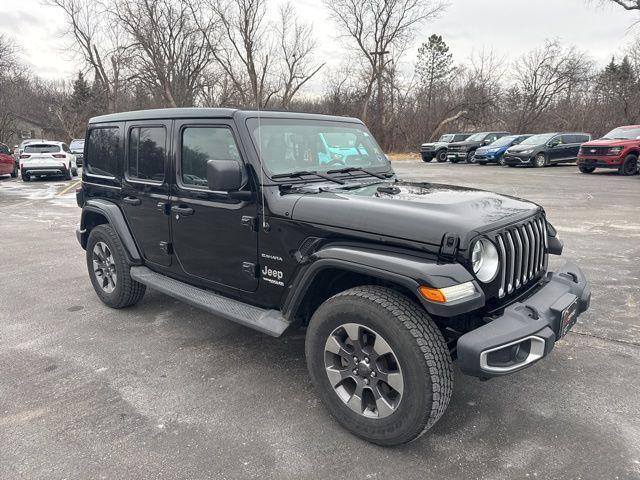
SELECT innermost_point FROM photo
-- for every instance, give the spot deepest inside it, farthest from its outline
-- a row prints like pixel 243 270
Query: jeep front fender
pixel 406 270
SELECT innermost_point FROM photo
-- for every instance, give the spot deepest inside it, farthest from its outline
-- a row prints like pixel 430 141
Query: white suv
pixel 47 158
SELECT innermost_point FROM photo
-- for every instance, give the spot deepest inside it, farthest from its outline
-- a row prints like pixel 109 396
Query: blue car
pixel 493 152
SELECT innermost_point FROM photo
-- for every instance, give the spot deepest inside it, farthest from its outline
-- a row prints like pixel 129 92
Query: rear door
pixel 145 188
pixel 571 147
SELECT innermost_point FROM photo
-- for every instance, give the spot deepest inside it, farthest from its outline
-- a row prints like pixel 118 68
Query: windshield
pixel 39 148
pixel 478 137
pixel 504 141
pixel 623 134
pixel 446 138
pixel 288 146
pixel 538 139
pixel 76 145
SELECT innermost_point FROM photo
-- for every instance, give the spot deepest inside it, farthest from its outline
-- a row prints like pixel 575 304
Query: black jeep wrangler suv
pixel 279 219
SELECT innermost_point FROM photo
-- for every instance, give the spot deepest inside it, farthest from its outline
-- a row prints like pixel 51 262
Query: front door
pixel 214 238
pixel 556 149
pixel 145 188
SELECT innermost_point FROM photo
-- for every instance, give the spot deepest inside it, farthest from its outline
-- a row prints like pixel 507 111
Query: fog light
pixel 448 294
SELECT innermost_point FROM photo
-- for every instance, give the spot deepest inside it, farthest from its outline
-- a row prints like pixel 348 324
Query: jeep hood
pixel 419 212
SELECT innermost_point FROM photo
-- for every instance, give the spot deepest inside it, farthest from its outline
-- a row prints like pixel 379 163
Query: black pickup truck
pixel 257 218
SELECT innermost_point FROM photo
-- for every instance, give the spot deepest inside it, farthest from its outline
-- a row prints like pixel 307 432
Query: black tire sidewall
pixel 629 159
pixel 106 234
pixel 415 406
pixel 441 156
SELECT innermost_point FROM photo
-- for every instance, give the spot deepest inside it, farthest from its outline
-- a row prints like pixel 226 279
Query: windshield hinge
pixel 449 247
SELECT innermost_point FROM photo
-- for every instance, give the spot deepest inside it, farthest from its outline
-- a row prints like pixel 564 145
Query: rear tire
pixel 585 169
pixel 26 177
pixel 67 173
pixel 501 162
pixel 379 320
pixel 482 163
pixel 74 172
pixel 121 291
pixel 14 173
pixel 629 166
pixel 441 156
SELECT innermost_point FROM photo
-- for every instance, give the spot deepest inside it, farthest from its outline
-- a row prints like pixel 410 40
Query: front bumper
pixel 527 330
pixel 457 155
pixel 601 161
pixel 516 159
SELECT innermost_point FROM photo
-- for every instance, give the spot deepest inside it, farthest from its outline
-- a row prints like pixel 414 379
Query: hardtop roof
pixel 197 112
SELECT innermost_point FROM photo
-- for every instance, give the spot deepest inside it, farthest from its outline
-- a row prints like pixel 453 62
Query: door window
pixel 103 151
pixel 201 144
pixel 147 153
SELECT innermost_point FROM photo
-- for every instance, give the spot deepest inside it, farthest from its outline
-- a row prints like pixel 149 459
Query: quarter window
pixel 147 153
pixel 201 144
pixel 103 151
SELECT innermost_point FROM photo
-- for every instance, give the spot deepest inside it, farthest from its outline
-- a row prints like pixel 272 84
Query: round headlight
pixel 485 260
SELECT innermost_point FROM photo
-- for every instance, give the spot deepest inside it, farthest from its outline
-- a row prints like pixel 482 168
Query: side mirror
pixel 486 141
pixel 224 175
pixel 553 143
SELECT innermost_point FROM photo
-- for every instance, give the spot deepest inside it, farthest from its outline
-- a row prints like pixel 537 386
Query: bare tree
pixel 98 42
pixel 296 47
pixel 170 51
pixel 628 4
pixel 380 30
pixel 244 51
pixel 10 79
pixel 541 78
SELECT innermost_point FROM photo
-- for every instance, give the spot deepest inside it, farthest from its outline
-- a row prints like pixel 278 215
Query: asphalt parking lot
pixel 162 390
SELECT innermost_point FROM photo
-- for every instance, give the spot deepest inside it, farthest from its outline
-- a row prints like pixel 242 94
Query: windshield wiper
pixel 383 176
pixel 302 173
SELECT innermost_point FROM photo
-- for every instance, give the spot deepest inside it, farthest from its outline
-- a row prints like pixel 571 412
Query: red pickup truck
pixel 620 148
pixel 7 162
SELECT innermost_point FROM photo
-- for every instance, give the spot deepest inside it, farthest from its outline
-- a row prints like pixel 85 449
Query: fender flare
pixel 116 219
pixel 406 270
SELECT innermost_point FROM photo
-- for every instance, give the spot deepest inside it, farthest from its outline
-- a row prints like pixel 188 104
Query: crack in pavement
pixel 614 340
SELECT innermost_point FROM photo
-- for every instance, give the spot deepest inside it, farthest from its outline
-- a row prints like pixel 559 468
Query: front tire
pixel 540 161
pixel 109 267
pixel 585 169
pixel 471 157
pixel 427 159
pixel 501 162
pixel 379 363
pixel 629 166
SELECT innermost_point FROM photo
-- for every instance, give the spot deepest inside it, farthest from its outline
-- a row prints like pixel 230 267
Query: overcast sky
pixel 508 27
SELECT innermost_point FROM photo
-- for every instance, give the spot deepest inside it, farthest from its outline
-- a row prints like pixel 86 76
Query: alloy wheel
pixel 104 267
pixel 363 370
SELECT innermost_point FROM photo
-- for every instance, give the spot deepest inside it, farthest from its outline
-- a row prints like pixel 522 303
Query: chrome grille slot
pixel 503 265
pixel 523 254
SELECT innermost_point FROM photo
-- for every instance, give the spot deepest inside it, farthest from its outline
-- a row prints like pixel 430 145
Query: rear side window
pixel 147 153
pixel 582 138
pixel 103 151
pixel 201 144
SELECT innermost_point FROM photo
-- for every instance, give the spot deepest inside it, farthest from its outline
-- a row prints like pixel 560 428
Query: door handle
pixel 131 200
pixel 181 210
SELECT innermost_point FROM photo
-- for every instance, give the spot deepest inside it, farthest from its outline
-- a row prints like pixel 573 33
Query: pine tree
pixel 434 65
pixel 81 94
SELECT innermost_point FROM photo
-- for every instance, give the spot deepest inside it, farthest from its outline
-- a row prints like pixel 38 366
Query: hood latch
pixel 449 246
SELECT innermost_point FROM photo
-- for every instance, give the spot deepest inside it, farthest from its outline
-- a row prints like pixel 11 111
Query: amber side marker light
pixel 448 294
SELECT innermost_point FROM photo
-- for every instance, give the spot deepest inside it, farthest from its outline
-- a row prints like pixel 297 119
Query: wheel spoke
pixel 334 346
pixel 394 380
pixel 381 347
pixel 335 376
pixel 353 331
pixel 383 408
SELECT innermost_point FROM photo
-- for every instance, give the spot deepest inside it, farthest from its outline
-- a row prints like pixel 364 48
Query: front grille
pixel 523 254
pixel 594 150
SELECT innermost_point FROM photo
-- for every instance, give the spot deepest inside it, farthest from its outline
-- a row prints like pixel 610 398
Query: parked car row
pixel 39 158
pixel 618 149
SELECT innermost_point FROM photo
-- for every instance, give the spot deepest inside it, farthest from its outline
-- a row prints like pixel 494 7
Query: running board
pixel 270 322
